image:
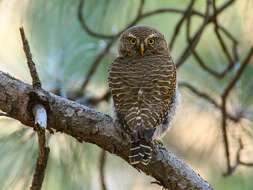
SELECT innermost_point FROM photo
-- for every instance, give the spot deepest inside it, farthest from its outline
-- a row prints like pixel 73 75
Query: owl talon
pixel 158 142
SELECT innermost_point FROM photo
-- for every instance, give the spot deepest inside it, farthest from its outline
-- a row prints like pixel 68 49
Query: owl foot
pixel 158 142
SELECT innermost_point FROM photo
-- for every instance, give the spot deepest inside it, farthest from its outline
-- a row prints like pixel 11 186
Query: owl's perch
pixel 88 125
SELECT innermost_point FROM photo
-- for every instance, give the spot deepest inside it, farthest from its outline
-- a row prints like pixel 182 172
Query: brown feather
pixel 143 85
pixel 155 75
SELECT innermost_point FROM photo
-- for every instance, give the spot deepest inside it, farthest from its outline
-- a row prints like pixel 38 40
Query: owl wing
pixel 142 90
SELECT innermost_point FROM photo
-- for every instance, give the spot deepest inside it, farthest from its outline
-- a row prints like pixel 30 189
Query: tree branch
pixel 208 99
pixel 88 125
pixel 224 98
pixel 194 41
pixel 30 63
pixel 40 117
pixel 96 63
pixel 102 169
pixel 180 23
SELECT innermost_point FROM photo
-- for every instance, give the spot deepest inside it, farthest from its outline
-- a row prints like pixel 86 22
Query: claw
pixel 158 142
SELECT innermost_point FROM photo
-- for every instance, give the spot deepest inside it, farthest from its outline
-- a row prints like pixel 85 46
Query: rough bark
pixel 88 125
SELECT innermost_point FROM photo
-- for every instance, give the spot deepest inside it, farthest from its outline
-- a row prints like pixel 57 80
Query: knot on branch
pixel 38 96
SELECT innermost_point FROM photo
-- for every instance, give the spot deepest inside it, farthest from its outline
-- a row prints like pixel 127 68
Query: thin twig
pixel 86 28
pixel 188 50
pixel 221 9
pixel 137 18
pixel 211 71
pixel 180 23
pixel 140 15
pixel 224 97
pixel 201 62
pixel 97 61
pixel 238 159
pixel 208 98
pixel 193 12
pixel 35 78
pixel 220 39
pixel 40 115
pixel 95 101
pixel 104 36
pixel 102 169
pixel 42 159
pixel 95 64
pixel 238 74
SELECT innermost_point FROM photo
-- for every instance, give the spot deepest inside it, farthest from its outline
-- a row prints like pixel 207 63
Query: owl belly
pixel 141 91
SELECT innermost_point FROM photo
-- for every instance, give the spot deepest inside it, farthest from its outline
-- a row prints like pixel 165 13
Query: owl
pixel 143 84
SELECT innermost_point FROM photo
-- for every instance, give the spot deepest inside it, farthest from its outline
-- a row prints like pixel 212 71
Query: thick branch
pixel 88 125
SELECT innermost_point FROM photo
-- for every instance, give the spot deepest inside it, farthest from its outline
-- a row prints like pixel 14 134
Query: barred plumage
pixel 143 88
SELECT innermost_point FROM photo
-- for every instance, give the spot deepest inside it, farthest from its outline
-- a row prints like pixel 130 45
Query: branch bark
pixel 88 125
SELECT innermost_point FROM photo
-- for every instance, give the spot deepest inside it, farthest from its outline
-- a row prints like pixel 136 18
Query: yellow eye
pixel 151 41
pixel 132 41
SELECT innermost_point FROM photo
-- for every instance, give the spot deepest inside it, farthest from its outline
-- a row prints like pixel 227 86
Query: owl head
pixel 142 41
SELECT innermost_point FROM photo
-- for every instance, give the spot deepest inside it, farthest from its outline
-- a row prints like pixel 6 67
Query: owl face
pixel 142 41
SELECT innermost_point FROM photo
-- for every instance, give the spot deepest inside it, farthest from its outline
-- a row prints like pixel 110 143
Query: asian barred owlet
pixel 143 85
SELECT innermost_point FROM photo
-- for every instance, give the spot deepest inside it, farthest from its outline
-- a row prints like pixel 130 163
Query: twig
pixel 140 15
pixel 224 97
pixel 96 63
pixel 208 98
pixel 109 44
pixel 86 28
pixel 238 159
pixel 35 78
pixel 102 169
pixel 238 156
pixel 211 71
pixel 199 93
pixel 220 9
pixel 40 115
pixel 95 101
pixel 249 164
pixel 196 37
pixel 239 73
pixel 193 12
pixel 103 36
pixel 220 39
pixel 41 163
pixel 202 63
pixel 180 23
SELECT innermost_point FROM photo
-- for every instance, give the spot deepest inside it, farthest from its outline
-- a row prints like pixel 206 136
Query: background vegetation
pixel 64 53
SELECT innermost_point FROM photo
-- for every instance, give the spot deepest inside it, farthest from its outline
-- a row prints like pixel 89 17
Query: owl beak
pixel 142 49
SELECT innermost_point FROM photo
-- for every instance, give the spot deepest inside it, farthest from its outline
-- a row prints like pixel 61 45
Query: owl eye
pixel 151 41
pixel 132 41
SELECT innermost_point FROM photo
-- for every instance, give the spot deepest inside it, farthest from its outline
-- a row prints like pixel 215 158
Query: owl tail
pixel 140 152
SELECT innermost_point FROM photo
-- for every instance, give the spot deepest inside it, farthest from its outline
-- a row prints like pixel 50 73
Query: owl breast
pixel 142 89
